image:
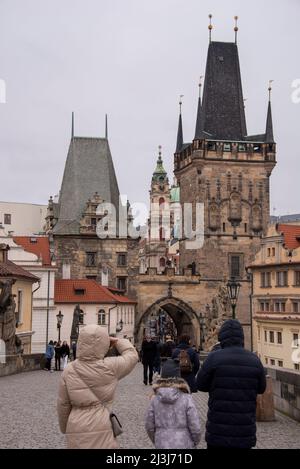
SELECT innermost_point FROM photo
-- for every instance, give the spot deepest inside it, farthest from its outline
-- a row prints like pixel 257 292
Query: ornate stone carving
pixel 216 314
pixel 214 215
pixel 235 208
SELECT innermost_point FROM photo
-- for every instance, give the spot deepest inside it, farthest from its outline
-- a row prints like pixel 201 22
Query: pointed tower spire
pixel 199 121
pixel 106 127
pixel 269 138
pixel 179 144
pixel 210 27
pixel 72 128
pixel 236 28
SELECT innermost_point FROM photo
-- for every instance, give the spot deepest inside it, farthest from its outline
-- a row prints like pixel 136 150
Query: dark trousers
pixel 146 366
pixel 57 363
pixel 48 363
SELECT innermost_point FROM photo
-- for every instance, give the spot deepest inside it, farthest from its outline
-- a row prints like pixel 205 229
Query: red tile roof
pixel 291 235
pixel 93 292
pixel 9 269
pixel 38 245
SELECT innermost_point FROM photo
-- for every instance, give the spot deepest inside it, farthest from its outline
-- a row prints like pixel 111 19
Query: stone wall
pixel 286 391
pixel 19 363
pixel 73 249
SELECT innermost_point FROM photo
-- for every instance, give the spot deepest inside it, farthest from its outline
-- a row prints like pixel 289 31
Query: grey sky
pixel 132 59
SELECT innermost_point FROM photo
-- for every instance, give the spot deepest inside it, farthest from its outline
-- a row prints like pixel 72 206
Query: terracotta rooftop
pixel 9 269
pixel 85 291
pixel 291 235
pixel 38 245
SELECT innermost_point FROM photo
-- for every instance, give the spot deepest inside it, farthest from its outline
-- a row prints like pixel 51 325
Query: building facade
pixel 33 254
pixel 98 305
pixel 22 292
pixel 21 219
pixel 276 297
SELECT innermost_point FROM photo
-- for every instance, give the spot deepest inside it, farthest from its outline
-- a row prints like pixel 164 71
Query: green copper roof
pixel 160 171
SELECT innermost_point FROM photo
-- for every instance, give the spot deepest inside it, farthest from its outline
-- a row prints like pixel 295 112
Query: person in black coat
pixel 149 353
pixel 233 377
pixel 167 348
pixel 189 377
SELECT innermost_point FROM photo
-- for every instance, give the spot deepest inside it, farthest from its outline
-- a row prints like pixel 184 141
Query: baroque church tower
pixel 229 172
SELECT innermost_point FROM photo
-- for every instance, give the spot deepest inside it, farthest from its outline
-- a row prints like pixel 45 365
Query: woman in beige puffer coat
pixel 87 389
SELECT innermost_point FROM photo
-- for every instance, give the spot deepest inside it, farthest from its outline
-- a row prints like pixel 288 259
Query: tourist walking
pixel 57 350
pixel 65 353
pixel 233 377
pixel 167 347
pixel 87 389
pixel 189 361
pixel 172 420
pixel 49 355
pixel 149 353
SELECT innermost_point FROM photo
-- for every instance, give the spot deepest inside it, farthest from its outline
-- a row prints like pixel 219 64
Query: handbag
pixel 116 425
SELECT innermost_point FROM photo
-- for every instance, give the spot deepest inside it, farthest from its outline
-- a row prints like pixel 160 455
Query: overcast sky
pixel 132 59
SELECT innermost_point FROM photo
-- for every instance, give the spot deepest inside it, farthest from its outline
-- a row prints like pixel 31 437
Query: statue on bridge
pixel 215 315
pixel 75 324
pixel 8 316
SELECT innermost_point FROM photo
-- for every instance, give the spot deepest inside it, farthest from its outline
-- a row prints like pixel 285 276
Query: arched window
pixel 162 262
pixel 162 234
pixel 101 317
pixel 161 202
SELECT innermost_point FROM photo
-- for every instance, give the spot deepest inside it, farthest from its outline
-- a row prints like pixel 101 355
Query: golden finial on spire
pixel 236 27
pixel 270 89
pixel 180 102
pixel 210 26
pixel 159 150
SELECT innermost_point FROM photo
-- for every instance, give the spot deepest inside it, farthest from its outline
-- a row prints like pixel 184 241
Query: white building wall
pixel 26 219
pixel 91 317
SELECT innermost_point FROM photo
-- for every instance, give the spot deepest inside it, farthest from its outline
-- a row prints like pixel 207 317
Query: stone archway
pixel 184 317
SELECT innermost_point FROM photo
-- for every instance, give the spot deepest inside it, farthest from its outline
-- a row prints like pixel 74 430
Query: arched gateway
pixel 183 316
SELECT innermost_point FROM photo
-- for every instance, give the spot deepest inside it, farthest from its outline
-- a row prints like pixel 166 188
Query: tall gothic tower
pixel 229 172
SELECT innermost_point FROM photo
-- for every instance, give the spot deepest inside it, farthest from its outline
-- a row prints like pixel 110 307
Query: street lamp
pixel 119 326
pixel 233 289
pixel 59 317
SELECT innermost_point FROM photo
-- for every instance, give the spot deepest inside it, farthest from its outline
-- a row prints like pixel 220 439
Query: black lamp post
pixel 59 317
pixel 233 289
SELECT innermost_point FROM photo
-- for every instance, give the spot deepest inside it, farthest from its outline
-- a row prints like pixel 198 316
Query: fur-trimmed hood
pixel 170 387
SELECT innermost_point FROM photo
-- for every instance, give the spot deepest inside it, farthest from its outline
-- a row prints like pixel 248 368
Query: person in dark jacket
pixel 49 355
pixel 233 377
pixel 57 349
pixel 149 353
pixel 65 353
pixel 167 348
pixel 189 377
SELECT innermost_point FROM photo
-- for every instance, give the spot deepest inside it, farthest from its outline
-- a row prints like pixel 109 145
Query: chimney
pixel 4 252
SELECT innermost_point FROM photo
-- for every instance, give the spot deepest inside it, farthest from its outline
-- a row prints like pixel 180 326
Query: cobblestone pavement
pixel 28 414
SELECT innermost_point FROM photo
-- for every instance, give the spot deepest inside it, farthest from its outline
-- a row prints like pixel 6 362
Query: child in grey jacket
pixel 172 420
